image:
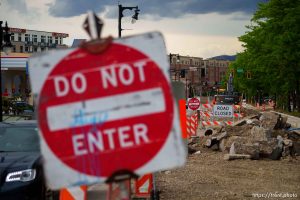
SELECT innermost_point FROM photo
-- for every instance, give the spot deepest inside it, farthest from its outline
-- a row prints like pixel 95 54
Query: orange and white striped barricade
pixel 238 115
pixel 206 114
pixel 207 106
pixel 143 186
pixel 192 124
pixel 188 127
pixel 212 123
pixel 217 123
pixel 229 123
pixel 74 193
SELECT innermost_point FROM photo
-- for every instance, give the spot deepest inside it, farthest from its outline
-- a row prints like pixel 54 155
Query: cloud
pixel 17 5
pixel 157 8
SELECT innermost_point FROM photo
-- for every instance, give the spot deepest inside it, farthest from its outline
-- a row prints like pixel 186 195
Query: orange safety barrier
pixel 182 114
pixel 192 125
pixel 74 193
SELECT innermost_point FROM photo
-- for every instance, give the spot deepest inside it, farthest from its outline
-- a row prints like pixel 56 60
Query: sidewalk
pixel 7 118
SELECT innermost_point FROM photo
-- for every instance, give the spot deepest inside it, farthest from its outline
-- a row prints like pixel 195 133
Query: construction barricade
pixel 74 193
pixel 207 117
pixel 192 124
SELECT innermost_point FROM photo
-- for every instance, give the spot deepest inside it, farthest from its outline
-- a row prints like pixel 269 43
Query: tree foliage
pixel 271 53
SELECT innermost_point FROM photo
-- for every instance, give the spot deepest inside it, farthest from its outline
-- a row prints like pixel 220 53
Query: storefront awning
pixel 13 63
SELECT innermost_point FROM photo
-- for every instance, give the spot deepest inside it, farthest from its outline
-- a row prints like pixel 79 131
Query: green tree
pixel 272 53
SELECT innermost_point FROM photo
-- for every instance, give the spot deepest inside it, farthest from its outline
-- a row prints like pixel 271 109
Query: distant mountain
pixel 224 57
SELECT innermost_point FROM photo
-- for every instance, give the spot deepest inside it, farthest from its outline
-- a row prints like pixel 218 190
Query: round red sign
pixel 100 114
pixel 193 103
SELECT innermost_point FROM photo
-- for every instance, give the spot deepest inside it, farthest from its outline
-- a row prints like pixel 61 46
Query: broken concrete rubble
pixel 249 149
pixel 268 120
pixel 259 136
pixel 236 156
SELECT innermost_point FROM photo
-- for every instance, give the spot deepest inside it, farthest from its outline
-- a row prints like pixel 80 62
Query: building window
pixel 14 48
pixel 19 37
pixel 12 37
pixel 43 39
pixel 21 49
pixel 49 39
pixel 34 49
pixel 26 49
pixel 60 40
pixel 56 40
pixel 27 37
pixel 202 72
pixel 34 38
pixel 42 48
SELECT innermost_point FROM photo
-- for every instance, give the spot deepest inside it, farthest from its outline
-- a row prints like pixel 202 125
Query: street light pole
pixel 186 88
pixel 1 38
pixel 134 17
pixel 6 37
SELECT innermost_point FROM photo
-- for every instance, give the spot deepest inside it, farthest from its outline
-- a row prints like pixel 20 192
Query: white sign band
pixel 105 109
pixel 223 111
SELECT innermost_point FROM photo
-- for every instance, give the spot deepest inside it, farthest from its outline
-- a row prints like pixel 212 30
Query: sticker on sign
pixel 100 114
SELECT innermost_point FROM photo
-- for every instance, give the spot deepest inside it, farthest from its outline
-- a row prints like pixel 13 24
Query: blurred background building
pixel 199 76
pixel 14 64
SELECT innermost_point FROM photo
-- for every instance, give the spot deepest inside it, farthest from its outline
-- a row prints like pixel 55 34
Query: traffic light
pixel 182 73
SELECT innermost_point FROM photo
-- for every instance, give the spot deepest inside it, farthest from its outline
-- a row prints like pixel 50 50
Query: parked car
pixel 19 107
pixel 21 171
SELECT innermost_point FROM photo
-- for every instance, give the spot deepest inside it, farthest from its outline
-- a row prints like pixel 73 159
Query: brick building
pixel 216 71
pixel 201 75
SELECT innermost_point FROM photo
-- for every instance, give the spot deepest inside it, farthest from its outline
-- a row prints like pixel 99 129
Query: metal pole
pixel 119 21
pixel 186 97
pixel 1 37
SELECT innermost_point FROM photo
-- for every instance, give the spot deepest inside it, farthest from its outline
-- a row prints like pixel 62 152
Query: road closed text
pixel 223 111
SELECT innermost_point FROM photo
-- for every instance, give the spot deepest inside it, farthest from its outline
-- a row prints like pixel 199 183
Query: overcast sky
pixel 202 28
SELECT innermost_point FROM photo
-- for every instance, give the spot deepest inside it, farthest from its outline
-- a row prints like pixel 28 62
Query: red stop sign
pixel 193 103
pixel 103 113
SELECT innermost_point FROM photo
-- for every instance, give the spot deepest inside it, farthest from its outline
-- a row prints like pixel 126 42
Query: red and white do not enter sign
pixel 193 103
pixel 102 113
